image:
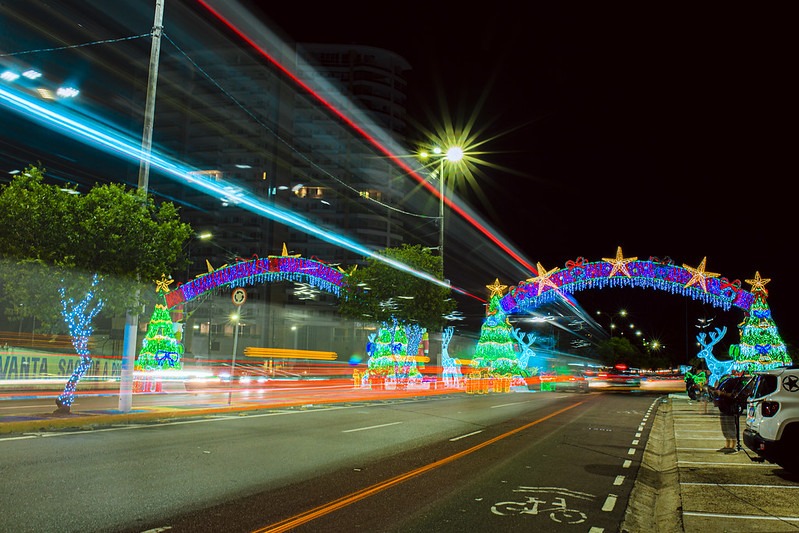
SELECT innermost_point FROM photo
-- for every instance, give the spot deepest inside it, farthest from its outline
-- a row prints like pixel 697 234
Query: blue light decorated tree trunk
pixel 78 317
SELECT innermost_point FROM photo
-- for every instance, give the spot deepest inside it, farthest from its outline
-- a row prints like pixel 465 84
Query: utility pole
pixel 131 319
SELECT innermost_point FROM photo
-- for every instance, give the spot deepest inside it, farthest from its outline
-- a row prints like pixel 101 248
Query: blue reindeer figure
pixel 718 368
pixel 451 372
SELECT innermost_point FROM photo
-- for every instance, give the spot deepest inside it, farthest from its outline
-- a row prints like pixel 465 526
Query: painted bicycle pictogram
pixel 539 504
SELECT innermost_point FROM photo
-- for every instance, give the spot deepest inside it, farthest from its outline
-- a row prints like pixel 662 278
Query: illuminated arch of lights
pixel 261 270
pixel 654 273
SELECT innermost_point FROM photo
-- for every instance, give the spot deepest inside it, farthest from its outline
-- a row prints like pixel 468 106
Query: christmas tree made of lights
pixel 389 351
pixel 160 350
pixel 496 347
pixel 761 346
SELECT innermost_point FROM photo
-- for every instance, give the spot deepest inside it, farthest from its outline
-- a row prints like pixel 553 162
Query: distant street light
pixel 611 325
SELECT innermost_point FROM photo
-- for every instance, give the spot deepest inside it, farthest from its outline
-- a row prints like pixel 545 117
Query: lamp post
pixel 132 317
pixel 453 155
pixel 611 325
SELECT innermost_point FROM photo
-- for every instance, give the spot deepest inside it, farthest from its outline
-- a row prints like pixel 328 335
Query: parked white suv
pixel 772 418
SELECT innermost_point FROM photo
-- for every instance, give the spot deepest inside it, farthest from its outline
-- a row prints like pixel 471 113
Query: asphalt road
pixel 444 463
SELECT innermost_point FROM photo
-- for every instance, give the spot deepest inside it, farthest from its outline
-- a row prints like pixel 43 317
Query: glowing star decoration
pixel 543 278
pixel 497 289
pixel 758 284
pixel 619 263
pixel 163 284
pixel 285 252
pixel 698 275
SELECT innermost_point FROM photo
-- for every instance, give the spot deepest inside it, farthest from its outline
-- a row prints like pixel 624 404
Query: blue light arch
pixel 658 274
pixel 261 270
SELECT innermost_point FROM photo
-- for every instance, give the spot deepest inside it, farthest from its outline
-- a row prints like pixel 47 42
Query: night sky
pixel 667 131
pixel 664 130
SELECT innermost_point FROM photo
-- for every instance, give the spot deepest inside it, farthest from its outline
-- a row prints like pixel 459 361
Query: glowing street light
pixel 621 313
pixel 453 155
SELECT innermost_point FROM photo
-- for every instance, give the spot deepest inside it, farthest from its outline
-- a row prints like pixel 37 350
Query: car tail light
pixel 769 408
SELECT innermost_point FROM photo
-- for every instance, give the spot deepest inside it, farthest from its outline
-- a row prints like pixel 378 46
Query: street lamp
pixel 612 326
pixel 453 155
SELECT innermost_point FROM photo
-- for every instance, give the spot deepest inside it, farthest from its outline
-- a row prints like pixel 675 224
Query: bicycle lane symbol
pixel 542 500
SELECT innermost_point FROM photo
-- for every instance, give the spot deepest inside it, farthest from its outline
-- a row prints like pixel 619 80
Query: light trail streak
pixel 88 132
pixel 404 166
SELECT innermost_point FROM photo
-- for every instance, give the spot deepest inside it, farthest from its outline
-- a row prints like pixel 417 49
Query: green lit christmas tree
pixel 496 347
pixel 393 350
pixel 761 346
pixel 161 349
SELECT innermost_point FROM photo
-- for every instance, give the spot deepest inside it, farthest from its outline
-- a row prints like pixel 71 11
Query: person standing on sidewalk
pixel 728 407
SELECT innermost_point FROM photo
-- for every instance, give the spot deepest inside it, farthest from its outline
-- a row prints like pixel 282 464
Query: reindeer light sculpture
pixel 718 368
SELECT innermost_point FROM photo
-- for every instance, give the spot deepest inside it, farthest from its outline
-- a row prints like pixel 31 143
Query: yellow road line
pixel 329 507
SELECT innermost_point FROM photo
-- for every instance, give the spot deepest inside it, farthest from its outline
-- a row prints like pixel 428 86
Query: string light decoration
pixel 261 270
pixel 160 350
pixel 495 351
pixel 627 272
pixel 761 346
pixel 78 318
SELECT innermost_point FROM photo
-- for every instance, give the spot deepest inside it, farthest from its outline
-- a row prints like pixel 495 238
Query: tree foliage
pixel 378 291
pixel 619 350
pixel 52 237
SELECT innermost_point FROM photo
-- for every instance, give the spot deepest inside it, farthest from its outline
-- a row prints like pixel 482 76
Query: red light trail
pixel 404 166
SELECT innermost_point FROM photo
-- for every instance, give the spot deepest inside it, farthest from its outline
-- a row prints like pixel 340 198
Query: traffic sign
pixel 239 296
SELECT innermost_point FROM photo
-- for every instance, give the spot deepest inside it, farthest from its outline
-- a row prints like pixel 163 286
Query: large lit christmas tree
pixel 495 349
pixel 161 349
pixel 761 347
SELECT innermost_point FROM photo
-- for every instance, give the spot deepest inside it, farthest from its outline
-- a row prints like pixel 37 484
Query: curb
pixel 655 503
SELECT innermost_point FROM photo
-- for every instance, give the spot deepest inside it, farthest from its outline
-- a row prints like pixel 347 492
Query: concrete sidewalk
pixel 686 484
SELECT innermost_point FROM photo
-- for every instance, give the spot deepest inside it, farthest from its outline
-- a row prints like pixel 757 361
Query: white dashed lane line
pixel 610 503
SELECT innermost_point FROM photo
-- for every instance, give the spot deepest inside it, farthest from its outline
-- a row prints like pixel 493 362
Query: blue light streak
pixel 89 132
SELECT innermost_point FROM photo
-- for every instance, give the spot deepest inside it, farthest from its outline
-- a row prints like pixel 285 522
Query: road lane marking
pixel 638 435
pixel 595 529
pixel 619 480
pixel 610 502
pixel 507 404
pixel 20 438
pixel 322 510
pixel 453 439
pixel 742 516
pixel 152 424
pixel 370 427
pixel 631 451
pixel 635 442
pixel 627 464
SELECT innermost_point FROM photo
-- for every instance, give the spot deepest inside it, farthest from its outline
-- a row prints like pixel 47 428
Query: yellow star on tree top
pixel 163 284
pixel 496 289
pixel 698 275
pixel 619 263
pixel 758 284
pixel 543 278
